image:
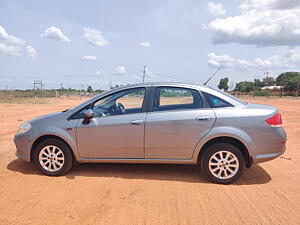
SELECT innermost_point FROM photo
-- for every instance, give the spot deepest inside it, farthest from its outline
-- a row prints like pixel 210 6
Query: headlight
pixel 24 127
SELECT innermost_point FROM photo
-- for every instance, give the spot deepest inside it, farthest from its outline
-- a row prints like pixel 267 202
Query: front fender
pixel 67 136
pixel 224 131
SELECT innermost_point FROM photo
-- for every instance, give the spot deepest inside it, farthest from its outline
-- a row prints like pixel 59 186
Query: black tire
pixel 210 151
pixel 67 154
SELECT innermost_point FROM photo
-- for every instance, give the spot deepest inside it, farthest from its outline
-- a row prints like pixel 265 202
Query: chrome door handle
pixel 203 118
pixel 136 122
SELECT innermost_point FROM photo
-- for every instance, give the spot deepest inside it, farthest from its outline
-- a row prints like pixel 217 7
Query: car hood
pixel 49 116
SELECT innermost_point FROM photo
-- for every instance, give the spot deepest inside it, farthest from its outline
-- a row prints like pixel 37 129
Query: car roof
pixel 179 84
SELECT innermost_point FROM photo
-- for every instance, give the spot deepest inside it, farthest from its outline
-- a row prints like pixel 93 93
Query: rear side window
pixel 216 102
pixel 175 98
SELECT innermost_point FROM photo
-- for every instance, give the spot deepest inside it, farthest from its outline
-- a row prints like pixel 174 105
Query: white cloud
pixel 90 57
pixel 94 37
pixel 145 44
pixel 290 60
pixel 10 38
pixel 269 4
pixel 98 72
pixel 216 9
pixel 226 61
pixel 121 70
pixel 31 52
pixel 13 46
pixel 137 78
pixel 9 50
pixel 262 23
pixel 294 56
pixel 271 63
pixel 55 33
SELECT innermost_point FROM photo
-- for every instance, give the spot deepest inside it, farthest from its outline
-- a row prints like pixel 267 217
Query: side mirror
pixel 88 114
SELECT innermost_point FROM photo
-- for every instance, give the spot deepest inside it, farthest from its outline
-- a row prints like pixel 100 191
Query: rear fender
pixel 223 131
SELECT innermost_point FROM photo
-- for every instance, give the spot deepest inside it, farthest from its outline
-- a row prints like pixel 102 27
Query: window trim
pixel 153 93
pixel 90 106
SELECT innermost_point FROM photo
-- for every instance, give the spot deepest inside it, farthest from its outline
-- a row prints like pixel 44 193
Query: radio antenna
pixel 212 76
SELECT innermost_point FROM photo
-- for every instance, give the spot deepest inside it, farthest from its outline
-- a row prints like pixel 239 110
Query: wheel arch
pixel 44 137
pixel 230 140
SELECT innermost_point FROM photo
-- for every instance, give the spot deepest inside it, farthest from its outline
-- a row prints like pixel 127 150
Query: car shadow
pixel 164 172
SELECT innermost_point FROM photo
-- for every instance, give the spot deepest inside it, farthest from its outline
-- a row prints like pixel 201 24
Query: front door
pixel 117 127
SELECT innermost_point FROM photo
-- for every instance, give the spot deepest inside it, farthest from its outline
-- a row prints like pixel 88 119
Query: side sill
pixel 158 161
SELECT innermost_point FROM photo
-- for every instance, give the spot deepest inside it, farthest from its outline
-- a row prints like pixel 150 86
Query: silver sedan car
pixel 156 123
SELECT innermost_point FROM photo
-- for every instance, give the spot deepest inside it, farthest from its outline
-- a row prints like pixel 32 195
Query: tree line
pixel 289 81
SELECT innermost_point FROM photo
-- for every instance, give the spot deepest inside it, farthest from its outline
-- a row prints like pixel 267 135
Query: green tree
pixel 289 80
pixel 269 81
pixel 89 89
pixel 244 86
pixel 223 84
pixel 258 84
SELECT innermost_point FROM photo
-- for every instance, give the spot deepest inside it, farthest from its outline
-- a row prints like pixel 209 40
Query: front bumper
pixel 23 146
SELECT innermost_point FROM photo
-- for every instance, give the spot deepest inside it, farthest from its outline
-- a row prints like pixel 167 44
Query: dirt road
pixel 146 194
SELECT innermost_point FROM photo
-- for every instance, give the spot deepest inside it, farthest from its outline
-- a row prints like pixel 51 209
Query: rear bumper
pixel 267 157
pixel 264 157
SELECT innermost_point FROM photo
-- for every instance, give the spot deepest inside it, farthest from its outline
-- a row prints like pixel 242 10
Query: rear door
pixel 176 123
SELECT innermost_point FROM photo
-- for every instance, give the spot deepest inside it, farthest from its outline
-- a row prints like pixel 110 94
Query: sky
pixel 102 43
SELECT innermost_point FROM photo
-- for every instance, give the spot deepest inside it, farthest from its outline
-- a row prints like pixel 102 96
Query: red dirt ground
pixel 268 193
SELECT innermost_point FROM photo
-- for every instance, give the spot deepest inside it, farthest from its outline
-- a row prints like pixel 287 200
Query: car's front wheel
pixel 222 163
pixel 53 157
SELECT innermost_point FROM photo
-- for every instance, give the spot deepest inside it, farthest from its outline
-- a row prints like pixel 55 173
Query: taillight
pixel 275 121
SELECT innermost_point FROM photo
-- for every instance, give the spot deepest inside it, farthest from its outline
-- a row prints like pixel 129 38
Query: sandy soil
pixel 146 194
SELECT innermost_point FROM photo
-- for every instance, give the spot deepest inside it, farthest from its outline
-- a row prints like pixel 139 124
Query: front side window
pixel 175 98
pixel 123 102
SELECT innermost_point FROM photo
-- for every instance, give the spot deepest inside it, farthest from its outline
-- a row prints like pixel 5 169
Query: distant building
pixel 272 88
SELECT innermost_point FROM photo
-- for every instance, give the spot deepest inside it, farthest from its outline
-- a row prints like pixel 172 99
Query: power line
pixel 72 75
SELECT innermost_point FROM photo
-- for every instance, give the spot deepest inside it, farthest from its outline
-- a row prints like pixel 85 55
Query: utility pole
pixel 231 86
pixel 297 90
pixel 80 94
pixel 267 76
pixel 38 83
pixel 144 72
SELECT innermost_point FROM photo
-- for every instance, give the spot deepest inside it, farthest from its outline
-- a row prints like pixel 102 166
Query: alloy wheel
pixel 51 158
pixel 223 164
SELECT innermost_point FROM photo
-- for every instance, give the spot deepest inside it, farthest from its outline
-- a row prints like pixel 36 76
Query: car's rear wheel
pixel 222 163
pixel 53 157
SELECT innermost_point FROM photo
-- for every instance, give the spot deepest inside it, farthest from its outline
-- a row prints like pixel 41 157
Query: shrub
pixel 262 93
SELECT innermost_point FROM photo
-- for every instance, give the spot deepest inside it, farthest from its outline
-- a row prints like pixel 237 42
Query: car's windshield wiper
pixel 66 110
